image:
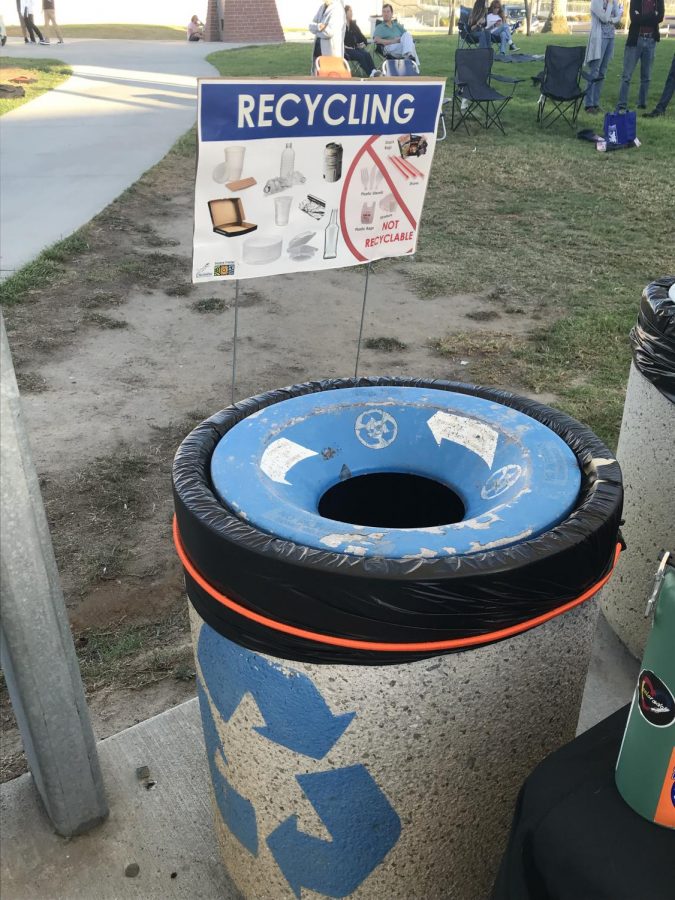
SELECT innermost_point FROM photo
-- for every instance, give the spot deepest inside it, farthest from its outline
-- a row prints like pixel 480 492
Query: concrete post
pixel 36 646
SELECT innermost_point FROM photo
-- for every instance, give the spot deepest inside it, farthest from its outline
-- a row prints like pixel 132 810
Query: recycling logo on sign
pixel 359 818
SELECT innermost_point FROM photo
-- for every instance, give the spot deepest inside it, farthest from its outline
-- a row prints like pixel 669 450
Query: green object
pixel 645 769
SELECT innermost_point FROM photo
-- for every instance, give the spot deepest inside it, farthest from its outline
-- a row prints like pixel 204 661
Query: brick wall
pixel 249 21
pixel 213 30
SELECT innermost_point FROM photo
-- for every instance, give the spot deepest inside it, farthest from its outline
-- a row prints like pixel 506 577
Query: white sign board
pixel 307 174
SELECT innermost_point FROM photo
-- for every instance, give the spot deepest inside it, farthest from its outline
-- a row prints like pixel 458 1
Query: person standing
pixel 329 26
pixel 643 36
pixel 393 37
pixel 356 43
pixel 666 96
pixel 50 18
pixel 605 16
pixel 33 30
pixel 22 24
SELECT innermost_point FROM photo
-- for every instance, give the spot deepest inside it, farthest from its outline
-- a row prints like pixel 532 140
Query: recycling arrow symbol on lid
pixel 362 823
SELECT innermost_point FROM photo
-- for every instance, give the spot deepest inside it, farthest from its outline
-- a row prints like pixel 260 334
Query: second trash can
pixel 377 570
pixel 646 452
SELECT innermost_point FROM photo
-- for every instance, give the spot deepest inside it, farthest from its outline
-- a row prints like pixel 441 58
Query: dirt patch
pixel 18 76
pixel 119 356
pixel 385 344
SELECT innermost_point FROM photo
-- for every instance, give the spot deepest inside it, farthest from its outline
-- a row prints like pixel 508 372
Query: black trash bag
pixel 386 600
pixel 653 336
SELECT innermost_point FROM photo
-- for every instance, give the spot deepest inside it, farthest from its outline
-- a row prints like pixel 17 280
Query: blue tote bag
pixel 620 129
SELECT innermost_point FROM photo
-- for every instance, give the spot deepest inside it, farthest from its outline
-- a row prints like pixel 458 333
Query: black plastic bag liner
pixel 653 337
pixel 306 592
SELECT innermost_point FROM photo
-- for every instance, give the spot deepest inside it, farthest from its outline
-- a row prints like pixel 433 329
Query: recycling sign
pixel 361 824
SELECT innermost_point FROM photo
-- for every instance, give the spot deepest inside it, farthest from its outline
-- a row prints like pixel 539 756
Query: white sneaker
pixel 43 41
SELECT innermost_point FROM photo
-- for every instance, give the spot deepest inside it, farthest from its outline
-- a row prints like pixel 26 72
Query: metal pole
pixel 36 646
pixel 363 315
pixel 236 330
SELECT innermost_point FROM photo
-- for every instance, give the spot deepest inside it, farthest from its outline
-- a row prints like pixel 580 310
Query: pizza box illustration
pixel 228 217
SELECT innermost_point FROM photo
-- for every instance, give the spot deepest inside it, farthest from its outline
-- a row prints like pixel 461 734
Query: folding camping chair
pixel 332 67
pixel 331 70
pixel 408 68
pixel 474 99
pixel 560 84
pixel 466 39
pixel 399 66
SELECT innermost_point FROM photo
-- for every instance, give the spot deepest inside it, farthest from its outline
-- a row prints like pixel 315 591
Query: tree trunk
pixel 623 25
pixel 557 18
pixel 528 17
pixel 451 17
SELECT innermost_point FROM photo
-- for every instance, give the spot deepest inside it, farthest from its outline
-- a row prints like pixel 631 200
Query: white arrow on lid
pixel 280 457
pixel 470 433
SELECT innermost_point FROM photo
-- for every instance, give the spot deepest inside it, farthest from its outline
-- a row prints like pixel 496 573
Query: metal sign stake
pixel 363 316
pixel 236 331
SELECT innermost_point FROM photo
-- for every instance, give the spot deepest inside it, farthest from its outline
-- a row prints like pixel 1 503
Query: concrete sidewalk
pixel 65 156
pixel 166 830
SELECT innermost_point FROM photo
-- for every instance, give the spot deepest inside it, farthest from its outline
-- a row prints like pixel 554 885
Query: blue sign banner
pixel 248 110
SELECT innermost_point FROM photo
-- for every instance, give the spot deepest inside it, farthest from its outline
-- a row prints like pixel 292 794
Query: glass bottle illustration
pixel 331 237
pixel 287 161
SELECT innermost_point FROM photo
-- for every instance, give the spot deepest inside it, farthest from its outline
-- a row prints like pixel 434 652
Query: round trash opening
pixel 396 472
pixel 392 500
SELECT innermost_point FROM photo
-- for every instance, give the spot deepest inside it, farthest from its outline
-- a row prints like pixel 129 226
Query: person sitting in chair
pixel 392 36
pixel 355 45
pixel 495 23
pixel 477 24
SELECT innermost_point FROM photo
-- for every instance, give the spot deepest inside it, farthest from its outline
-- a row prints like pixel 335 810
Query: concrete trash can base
pixel 646 451
pixel 351 755
pixel 400 786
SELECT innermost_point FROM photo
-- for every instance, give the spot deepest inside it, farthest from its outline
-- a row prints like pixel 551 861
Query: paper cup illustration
pixel 234 162
pixel 282 208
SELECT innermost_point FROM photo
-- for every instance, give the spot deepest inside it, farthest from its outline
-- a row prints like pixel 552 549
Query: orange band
pixel 424 647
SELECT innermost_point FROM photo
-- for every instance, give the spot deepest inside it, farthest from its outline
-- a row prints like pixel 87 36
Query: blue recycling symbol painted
pixel 363 825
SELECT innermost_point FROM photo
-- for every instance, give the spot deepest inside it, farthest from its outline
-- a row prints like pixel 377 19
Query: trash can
pixel 646 452
pixel 377 570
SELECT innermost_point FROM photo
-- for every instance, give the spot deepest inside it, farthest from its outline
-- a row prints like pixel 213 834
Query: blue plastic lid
pixel 514 476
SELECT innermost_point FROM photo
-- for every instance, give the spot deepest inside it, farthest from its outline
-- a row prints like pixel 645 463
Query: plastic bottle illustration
pixel 287 161
pixel 331 237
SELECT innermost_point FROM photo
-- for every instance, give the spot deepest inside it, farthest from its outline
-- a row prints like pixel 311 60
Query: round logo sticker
pixel 655 701
pixel 500 481
pixel 376 429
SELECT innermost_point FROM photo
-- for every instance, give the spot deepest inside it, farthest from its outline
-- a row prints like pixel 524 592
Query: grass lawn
pixel 566 235
pixel 48 73
pixel 119 32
